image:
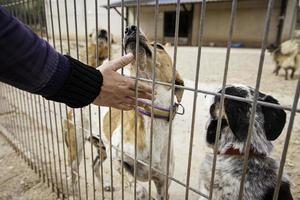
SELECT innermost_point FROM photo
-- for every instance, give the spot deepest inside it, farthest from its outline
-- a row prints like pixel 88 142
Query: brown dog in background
pixel 103 48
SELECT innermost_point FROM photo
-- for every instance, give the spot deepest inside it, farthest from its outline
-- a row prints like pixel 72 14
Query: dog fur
pixel 160 129
pixel 262 169
pixel 103 48
pixel 286 56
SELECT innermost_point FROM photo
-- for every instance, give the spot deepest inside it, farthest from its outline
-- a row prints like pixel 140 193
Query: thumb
pixel 121 62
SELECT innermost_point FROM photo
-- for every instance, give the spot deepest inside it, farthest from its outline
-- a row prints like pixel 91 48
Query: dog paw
pixel 108 188
pixel 141 193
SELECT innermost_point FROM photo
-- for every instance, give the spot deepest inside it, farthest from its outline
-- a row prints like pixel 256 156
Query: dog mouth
pixel 130 43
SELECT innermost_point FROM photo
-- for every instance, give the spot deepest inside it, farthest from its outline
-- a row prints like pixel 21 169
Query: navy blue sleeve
pixel 29 63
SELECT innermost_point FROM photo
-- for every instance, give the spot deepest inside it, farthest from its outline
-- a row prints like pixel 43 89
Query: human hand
pixel 118 91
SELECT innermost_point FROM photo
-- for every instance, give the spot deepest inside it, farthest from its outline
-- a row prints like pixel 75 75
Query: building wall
pixel 248 30
pixel 91 18
pixel 147 22
pixel 249 23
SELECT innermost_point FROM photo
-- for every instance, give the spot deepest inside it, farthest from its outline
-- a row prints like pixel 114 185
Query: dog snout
pixel 102 33
pixel 130 30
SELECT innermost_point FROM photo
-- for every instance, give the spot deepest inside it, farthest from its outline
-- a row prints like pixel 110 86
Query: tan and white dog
pixel 103 47
pixel 162 111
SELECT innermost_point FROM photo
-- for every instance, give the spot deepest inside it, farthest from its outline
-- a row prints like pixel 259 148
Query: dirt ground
pixel 17 179
pixel 243 68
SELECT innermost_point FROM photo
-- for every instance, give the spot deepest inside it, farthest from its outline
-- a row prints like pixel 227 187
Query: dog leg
pixel 96 166
pixel 293 72
pixel 74 171
pixel 160 182
pixel 276 70
pixel 286 74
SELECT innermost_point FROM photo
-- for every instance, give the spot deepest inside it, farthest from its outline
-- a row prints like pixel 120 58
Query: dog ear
pixel 179 91
pixel 95 141
pixel 211 131
pixel 274 119
pixel 237 114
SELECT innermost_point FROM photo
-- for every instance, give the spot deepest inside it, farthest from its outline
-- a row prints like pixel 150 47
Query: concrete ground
pixel 243 67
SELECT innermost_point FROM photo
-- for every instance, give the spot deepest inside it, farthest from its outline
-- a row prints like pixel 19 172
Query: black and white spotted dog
pixel 262 169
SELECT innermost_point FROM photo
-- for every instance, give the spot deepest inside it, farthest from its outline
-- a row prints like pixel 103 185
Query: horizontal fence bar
pixel 271 105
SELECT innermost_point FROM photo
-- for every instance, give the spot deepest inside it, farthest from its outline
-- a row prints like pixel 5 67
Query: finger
pixel 145 95
pixel 121 62
pixel 131 93
pixel 125 107
pixel 133 99
pixel 129 101
pixel 144 88
pixel 141 87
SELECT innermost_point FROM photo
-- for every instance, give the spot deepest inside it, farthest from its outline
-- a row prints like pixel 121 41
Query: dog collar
pixel 235 152
pixel 159 112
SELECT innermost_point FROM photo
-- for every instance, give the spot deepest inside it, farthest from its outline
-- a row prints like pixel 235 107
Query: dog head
pixel 98 144
pixel 101 36
pixel 268 122
pixel 272 48
pixel 163 64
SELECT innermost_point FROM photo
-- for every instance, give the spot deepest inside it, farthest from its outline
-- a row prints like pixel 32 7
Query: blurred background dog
pixel 103 47
pixel 286 56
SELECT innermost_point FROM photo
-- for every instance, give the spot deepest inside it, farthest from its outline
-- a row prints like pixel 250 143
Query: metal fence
pixel 35 127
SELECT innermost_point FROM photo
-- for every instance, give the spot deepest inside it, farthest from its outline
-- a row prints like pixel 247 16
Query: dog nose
pixel 130 29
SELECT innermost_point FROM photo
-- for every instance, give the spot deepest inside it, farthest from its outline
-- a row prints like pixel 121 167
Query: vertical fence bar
pixel 49 107
pixel 66 109
pixel 254 104
pixel 58 151
pixel 53 149
pixel 35 137
pixel 82 128
pixel 216 146
pixel 49 176
pixel 64 150
pixel 110 131
pixel 70 149
pixel 172 94
pixel 55 113
pixel 136 91
pixel 84 157
pixel 200 40
pixel 30 131
pixel 35 24
pixel 287 140
pixel 10 97
pixel 152 100
pixel 76 149
pixel 27 107
pixel 48 144
pixel 73 110
pixel 39 137
pixel 67 28
pixel 99 109
pixel 122 112
pixel 25 123
pixel 43 142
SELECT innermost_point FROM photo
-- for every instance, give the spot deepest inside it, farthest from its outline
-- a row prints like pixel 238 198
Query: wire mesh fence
pixel 58 143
